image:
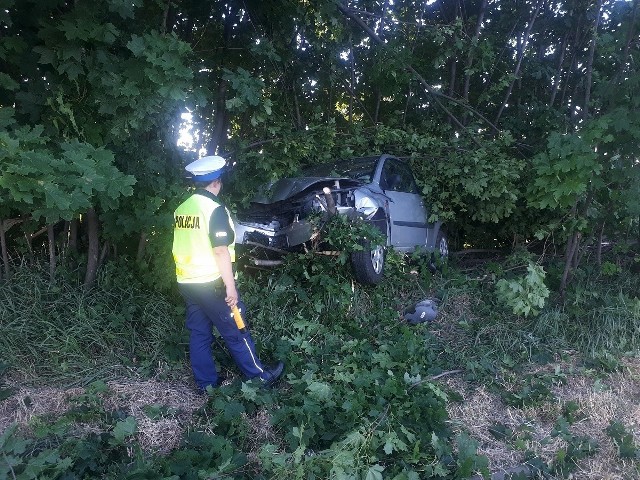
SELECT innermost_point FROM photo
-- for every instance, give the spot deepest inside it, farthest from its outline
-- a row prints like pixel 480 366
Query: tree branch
pixel 525 42
pixel 429 88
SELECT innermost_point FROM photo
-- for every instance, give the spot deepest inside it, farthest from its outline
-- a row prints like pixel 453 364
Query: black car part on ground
pixel 423 311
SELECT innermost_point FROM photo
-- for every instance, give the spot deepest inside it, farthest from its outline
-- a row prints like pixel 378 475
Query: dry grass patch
pixel 162 410
pixel 600 400
pixel 28 403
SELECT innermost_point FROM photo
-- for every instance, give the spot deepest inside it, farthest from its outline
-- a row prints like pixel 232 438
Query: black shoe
pixel 271 375
pixel 209 389
pixel 222 378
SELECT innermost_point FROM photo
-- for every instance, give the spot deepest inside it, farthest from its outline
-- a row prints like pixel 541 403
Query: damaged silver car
pixel 381 190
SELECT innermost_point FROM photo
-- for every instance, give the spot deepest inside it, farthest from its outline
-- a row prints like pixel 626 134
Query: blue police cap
pixel 207 169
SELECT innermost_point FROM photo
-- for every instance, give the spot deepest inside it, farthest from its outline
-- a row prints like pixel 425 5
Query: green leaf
pixel 623 440
pixel 124 429
pixel 136 45
pixel 388 447
pixel 124 8
pixel 249 392
pixel 56 199
pixel 320 391
pixel 374 472
pixel 8 83
pixel 47 56
pixel 232 409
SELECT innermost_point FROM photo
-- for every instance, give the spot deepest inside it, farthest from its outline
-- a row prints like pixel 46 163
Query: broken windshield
pixel 361 169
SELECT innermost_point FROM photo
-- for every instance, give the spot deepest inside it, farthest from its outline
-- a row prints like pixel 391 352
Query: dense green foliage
pixel 358 398
pixel 521 120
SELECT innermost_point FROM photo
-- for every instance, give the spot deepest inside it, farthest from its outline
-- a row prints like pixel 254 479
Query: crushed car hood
pixel 289 187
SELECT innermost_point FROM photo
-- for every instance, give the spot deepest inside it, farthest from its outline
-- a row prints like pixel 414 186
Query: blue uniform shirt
pixel 220 232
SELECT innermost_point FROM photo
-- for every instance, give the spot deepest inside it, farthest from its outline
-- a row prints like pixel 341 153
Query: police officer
pixel 203 250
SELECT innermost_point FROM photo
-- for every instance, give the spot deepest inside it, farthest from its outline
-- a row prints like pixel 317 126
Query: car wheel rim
pixel 443 247
pixel 377 259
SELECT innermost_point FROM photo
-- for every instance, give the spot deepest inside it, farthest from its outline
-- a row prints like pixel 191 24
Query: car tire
pixel 440 255
pixel 442 244
pixel 368 264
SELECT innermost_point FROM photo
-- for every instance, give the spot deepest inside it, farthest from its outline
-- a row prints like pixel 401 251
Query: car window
pixel 396 176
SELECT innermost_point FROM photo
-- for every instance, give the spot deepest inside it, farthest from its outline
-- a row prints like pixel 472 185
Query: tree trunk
pixel 383 18
pixel 599 248
pixel 380 32
pixel 565 87
pixel 141 246
pixel 453 69
pixel 221 121
pixel 52 250
pixel 352 65
pixel 575 261
pixel 3 246
pixel 330 108
pixel 558 76
pixel 474 42
pixel 572 246
pixel 103 254
pixel 627 46
pixel 568 254
pixel 221 118
pixel 164 27
pixel 453 63
pixel 516 73
pixel 592 51
pixel 65 239
pixel 296 105
pixel 406 107
pixel 572 257
pixel 576 47
pixel 582 213
pixel 94 247
pixel 29 240
pixel 73 235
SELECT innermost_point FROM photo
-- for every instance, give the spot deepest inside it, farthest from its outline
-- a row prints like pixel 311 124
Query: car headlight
pixel 366 205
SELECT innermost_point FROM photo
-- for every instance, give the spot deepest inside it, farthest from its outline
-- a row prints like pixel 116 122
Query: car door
pixel 407 212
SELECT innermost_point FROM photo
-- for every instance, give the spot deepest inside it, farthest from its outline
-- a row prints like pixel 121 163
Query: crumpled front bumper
pixel 272 236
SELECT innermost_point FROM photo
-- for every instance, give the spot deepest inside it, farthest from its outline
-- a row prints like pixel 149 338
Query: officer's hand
pixel 232 296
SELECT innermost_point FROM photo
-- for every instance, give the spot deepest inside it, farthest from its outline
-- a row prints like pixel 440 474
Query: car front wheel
pixel 368 264
pixel 440 254
pixel 442 244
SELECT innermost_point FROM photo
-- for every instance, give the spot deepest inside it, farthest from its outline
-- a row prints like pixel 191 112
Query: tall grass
pixel 609 322
pixel 600 314
pixel 58 331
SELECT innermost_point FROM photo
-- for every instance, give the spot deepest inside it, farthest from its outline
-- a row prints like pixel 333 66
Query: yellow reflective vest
pixel 192 249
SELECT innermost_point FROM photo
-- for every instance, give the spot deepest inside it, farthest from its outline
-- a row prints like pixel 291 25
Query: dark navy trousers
pixel 206 309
